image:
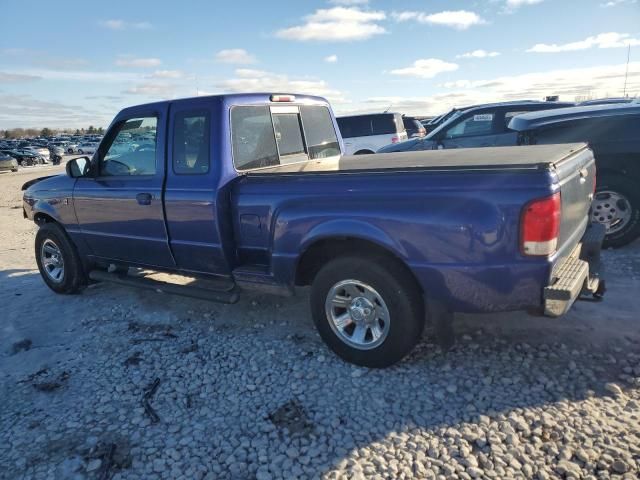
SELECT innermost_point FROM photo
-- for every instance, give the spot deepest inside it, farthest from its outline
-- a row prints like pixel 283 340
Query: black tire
pixel 73 278
pixel 397 289
pixel 363 152
pixel 628 188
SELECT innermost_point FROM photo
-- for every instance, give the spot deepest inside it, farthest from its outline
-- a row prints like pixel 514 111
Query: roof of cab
pixel 241 98
pixel 513 103
pixel 533 120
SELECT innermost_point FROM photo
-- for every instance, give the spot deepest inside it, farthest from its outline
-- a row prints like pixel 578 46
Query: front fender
pixel 46 207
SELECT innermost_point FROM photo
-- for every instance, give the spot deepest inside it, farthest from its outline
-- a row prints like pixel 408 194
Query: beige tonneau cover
pixel 529 157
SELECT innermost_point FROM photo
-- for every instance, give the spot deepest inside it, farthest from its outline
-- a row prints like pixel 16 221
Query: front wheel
pixel 369 311
pixel 58 261
pixel 617 206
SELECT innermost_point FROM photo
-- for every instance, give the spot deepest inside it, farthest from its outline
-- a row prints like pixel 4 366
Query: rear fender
pixel 344 228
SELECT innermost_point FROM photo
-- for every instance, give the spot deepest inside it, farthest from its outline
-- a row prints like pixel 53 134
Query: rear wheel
pixel 363 152
pixel 617 206
pixel 367 310
pixel 57 260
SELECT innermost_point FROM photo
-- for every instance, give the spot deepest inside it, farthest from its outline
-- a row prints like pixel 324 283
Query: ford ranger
pixel 252 192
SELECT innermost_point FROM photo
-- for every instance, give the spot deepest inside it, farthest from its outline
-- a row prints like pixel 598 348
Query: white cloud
pixel 594 82
pixel 336 24
pixel 26 111
pixel 478 54
pixel 235 55
pixel 250 80
pixel 80 75
pixel 520 3
pixel 459 19
pixel 603 40
pixel 118 24
pixel 158 90
pixel 331 59
pixel 6 77
pixel 426 68
pixel 128 61
pixel 349 2
pixel 166 74
pixel 615 3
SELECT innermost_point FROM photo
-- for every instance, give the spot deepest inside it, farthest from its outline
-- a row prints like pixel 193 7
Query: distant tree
pixel 46 132
pixel 91 129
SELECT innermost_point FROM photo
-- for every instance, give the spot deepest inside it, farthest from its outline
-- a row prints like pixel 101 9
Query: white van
pixel 367 133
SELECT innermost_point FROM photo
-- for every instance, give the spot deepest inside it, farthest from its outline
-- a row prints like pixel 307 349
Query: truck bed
pixel 518 158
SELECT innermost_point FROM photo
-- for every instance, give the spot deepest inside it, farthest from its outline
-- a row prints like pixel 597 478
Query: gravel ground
pixel 121 383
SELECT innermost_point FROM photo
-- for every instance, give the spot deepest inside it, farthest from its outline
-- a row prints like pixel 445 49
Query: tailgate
pixel 576 175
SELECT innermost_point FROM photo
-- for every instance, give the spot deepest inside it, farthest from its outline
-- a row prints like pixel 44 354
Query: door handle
pixel 144 198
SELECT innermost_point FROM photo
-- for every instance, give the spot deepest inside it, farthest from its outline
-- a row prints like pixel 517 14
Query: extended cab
pixel 253 192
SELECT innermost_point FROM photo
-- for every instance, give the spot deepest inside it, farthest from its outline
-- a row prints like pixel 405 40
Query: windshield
pixel 446 121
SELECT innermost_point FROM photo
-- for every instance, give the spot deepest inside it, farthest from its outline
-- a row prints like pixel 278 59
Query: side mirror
pixel 78 167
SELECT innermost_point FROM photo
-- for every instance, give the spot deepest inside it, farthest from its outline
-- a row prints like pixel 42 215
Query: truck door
pixel 192 202
pixel 119 208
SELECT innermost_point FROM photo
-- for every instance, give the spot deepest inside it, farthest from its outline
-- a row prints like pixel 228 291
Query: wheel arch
pixel 323 249
pixel 41 218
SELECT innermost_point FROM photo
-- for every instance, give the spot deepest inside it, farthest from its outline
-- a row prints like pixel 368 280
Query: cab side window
pixel 191 143
pixel 132 150
pixel 254 143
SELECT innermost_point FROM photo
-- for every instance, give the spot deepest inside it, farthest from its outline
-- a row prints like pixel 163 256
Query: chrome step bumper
pixel 579 274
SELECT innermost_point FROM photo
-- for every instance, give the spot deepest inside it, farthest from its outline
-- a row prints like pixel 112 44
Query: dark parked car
pixel 8 163
pixel 432 124
pixel 607 101
pixel 481 126
pixel 413 127
pixel 25 157
pixel 613 132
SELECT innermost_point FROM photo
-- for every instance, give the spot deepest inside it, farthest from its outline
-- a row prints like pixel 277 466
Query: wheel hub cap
pixel 612 209
pixel 357 314
pixel 52 262
pixel 361 310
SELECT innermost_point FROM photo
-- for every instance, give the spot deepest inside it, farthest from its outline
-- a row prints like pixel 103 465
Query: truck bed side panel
pixel 457 231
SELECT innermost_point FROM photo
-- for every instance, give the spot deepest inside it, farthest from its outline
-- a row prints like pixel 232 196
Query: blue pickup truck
pixel 252 192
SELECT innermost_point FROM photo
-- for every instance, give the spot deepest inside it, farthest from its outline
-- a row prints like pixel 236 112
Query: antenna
pixel 626 74
pixel 388 108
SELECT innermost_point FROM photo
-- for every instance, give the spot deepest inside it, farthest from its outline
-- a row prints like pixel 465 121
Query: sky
pixel 73 64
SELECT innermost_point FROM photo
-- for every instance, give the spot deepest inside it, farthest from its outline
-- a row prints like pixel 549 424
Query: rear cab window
pixel 265 136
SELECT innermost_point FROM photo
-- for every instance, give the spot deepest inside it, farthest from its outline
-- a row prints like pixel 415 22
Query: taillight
pixel 540 226
pixel 395 139
pixel 283 98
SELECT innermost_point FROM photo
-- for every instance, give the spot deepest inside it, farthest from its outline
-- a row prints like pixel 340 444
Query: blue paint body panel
pixel 457 229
